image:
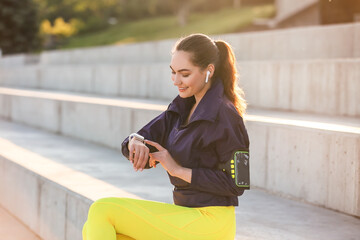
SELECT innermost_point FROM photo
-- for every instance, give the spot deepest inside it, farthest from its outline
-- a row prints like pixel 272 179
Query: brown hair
pixel 205 51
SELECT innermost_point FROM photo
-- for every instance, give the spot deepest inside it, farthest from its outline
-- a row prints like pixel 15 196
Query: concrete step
pixel 315 86
pixel 50 181
pixel 315 42
pixel 151 80
pixel 305 156
pixel 13 229
pixel 312 86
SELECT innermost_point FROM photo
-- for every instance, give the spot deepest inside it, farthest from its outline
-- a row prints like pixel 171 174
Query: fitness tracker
pixel 137 137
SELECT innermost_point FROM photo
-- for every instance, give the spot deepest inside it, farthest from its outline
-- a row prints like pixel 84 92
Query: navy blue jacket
pixel 214 132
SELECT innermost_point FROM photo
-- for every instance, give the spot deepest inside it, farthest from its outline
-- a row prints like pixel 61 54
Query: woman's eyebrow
pixel 181 70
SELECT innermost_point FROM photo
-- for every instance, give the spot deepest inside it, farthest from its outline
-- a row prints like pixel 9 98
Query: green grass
pixel 224 21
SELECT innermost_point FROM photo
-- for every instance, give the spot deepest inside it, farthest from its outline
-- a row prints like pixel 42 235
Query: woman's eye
pixel 173 73
pixel 186 75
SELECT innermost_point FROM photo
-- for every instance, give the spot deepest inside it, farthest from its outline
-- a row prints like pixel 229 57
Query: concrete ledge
pixel 50 198
pixel 317 86
pixel 12 228
pixel 130 53
pixel 12 60
pixel 47 208
pixel 313 161
pixel 49 182
pixel 322 154
pixel 335 41
pixel 314 86
pixel 127 80
pixel 315 42
pixel 19 60
pixel 90 118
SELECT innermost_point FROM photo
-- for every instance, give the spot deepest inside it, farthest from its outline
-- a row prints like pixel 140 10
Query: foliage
pixel 18 26
pixel 96 13
pixel 62 19
pixel 224 21
pixel 60 28
pixel 56 34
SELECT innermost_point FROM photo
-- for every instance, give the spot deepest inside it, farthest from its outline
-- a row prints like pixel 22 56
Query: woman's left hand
pixel 170 165
pixel 163 157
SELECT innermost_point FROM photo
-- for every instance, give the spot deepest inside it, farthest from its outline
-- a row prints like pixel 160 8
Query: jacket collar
pixel 208 107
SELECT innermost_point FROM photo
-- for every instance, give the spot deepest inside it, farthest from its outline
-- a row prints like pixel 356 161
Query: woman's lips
pixel 182 89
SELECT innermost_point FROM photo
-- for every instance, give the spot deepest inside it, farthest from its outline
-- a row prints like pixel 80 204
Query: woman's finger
pixel 154 156
pixel 141 160
pixel 153 160
pixel 154 164
pixel 146 157
pixel 155 144
pixel 131 153
pixel 143 163
pixel 136 157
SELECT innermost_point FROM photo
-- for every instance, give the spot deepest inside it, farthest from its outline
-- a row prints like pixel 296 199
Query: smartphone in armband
pixel 238 167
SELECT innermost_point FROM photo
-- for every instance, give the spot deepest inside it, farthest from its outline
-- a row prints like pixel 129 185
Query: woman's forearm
pixel 184 174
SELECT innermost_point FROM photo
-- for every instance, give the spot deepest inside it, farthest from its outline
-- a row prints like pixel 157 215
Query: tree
pixel 183 12
pixel 18 26
pixel 184 8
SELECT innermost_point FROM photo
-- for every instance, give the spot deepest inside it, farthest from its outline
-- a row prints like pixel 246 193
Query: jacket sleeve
pixel 232 136
pixel 155 131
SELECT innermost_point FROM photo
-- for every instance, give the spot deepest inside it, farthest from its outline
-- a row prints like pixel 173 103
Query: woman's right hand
pixel 138 154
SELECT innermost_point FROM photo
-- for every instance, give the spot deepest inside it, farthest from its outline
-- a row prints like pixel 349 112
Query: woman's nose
pixel 176 80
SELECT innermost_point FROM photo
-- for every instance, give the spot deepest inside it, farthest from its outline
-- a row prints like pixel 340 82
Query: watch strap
pixel 137 137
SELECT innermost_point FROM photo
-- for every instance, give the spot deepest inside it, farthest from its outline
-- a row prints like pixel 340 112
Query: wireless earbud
pixel 207 76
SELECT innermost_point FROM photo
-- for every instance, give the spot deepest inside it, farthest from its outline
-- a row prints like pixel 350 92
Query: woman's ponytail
pixel 227 72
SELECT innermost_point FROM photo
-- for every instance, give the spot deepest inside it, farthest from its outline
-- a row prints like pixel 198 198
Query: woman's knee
pixel 97 208
pixel 103 206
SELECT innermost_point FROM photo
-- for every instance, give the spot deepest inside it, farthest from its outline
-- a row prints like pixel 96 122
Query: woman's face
pixel 189 78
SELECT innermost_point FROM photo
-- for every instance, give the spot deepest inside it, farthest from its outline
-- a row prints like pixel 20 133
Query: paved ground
pixel 12 229
pixel 260 215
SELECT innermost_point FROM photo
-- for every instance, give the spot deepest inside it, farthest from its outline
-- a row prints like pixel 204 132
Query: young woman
pixel 201 129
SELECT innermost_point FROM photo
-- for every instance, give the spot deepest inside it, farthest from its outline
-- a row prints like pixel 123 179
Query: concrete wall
pixel 127 80
pixel 318 42
pixel 50 198
pixel 317 86
pixel 138 52
pixel 324 165
pixel 323 162
pixel 50 210
pixel 12 60
pixel 83 118
pixel 18 59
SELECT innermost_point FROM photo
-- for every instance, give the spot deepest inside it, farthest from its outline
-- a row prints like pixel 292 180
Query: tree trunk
pixel 237 3
pixel 183 13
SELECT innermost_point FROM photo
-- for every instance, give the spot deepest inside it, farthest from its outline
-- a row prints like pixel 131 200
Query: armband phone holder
pixel 238 167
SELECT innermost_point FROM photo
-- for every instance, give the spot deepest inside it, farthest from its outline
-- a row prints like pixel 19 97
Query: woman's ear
pixel 211 68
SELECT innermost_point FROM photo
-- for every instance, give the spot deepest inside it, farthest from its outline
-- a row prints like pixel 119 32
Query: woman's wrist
pixel 136 136
pixel 132 140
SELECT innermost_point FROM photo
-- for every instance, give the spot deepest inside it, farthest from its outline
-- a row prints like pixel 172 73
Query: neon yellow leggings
pixel 125 218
